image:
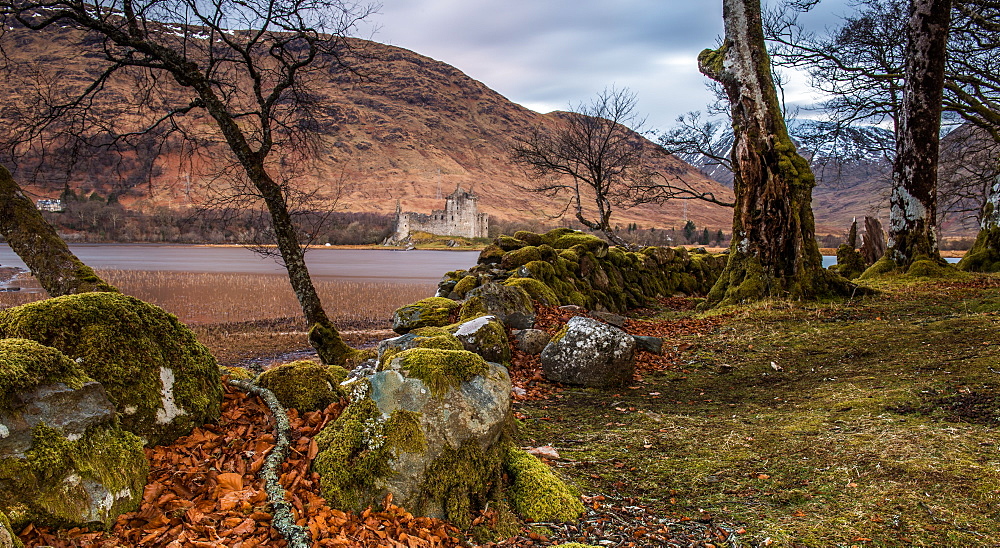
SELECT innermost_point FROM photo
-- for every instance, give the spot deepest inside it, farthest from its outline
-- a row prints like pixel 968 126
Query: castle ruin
pixel 460 217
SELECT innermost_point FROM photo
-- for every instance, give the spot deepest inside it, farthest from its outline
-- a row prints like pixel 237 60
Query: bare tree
pixel 913 204
pixel 597 157
pixel 247 65
pixel 774 250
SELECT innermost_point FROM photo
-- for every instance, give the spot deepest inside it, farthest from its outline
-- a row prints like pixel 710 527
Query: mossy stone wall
pixel 568 267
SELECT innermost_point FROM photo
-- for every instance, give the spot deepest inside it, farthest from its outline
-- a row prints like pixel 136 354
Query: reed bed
pixel 216 298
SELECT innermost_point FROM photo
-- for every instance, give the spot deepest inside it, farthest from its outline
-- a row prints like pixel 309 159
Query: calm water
pixel 339 264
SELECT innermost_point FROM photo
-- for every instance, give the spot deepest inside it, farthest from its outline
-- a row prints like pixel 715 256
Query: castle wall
pixel 460 217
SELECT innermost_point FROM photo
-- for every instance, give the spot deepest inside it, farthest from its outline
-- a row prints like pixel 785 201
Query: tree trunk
pixel 913 204
pixel 38 245
pixel 323 336
pixel 774 251
pixel 985 253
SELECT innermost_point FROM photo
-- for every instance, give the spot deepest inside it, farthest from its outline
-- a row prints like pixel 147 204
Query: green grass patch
pixel 868 422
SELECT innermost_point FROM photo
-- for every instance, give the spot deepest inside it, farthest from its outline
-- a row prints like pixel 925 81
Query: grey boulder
pixel 590 353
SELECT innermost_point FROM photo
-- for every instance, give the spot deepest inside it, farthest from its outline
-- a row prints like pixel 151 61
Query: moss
pixel 489 341
pixel 515 258
pixel 465 480
pixel 537 493
pixel 40 488
pixel 529 238
pixel 569 255
pixel 25 364
pixel 304 385
pixel 575 545
pixel 356 451
pixel 538 291
pixel 850 264
pixel 507 243
pixel 491 254
pixel 499 300
pixel 541 270
pixel 132 348
pixel 745 282
pixel 923 267
pixel 7 533
pixel 590 243
pixel 432 311
pixel 441 370
pixel 710 61
pixel 241 373
pixel 985 253
pixel 883 266
pixel 465 285
pixel 551 236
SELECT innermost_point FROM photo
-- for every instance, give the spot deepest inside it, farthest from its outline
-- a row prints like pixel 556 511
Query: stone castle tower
pixel 460 217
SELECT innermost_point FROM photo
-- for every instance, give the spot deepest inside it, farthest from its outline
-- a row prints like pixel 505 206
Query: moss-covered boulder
pixel 160 378
pixel 518 257
pixel 536 290
pixel 304 385
pixel 485 336
pixel 850 264
pixel 586 243
pixel 509 304
pixel 985 253
pixel 438 338
pixel 430 312
pixel 64 461
pixel 421 434
pixel 537 493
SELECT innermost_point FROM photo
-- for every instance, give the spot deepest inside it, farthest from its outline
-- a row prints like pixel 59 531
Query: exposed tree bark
pixel 34 240
pixel 913 203
pixel 774 251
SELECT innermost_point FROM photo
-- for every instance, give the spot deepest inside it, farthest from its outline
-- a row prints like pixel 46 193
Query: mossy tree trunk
pixel 774 251
pixel 34 240
pixel 985 253
pixel 913 203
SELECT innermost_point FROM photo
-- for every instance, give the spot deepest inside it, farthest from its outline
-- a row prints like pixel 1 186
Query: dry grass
pixel 212 298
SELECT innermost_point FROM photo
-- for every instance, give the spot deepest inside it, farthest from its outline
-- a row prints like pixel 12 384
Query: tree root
pixel 283 520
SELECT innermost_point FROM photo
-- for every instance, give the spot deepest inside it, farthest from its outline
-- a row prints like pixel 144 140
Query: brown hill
pixel 411 131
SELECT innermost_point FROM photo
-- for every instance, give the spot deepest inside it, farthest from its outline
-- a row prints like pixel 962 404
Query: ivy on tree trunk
pixel 774 251
pixel 34 240
pixel 913 203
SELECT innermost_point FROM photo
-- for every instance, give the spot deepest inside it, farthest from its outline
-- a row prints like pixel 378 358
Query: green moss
pixel 304 385
pixel 537 493
pixel 529 238
pixel 710 61
pixel 850 264
pixel 551 236
pixel 9 534
pixel 541 270
pixel 467 479
pixel 883 266
pixel 356 451
pixel 466 284
pixel 432 311
pixel 590 243
pixel 38 488
pixel 491 254
pixel 517 257
pixel 130 347
pixel 25 364
pixel 985 253
pixel 507 243
pixel 535 289
pixel 240 373
pixel 441 370
pixel 569 255
pixel 923 267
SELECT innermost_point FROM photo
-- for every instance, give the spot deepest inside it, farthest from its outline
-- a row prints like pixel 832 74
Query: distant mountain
pixel 411 131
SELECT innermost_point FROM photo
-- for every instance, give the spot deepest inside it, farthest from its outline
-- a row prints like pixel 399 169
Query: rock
pixel 537 493
pixel 485 336
pixel 430 312
pixel 531 341
pixel 590 353
pixel 429 413
pixel 510 304
pixel 423 337
pixel 162 381
pixel 544 452
pixel 653 345
pixel 573 308
pixel 304 385
pixel 65 461
pixel 609 318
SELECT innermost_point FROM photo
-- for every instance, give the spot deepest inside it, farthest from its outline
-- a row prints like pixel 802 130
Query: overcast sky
pixel 550 54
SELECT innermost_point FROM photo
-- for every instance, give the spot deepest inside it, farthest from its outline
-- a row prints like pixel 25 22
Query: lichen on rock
pixel 440 370
pixel 135 350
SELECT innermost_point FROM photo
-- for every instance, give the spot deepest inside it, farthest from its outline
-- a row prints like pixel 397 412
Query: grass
pixel 880 429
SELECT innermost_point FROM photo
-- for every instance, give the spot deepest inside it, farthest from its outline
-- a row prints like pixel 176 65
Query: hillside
pixel 411 130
